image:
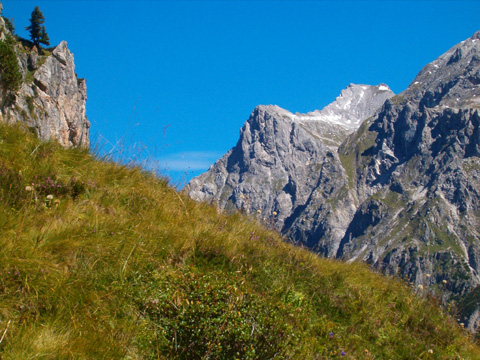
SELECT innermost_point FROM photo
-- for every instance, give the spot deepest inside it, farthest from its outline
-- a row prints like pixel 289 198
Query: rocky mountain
pixel 51 99
pixel 280 156
pixel 414 173
pixel 401 192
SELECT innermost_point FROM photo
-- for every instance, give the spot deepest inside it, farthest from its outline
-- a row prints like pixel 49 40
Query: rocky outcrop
pixel 51 100
pixel 401 192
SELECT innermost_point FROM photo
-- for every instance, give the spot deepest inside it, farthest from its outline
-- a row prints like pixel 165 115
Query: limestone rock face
pixel 52 99
pixel 281 157
pixel 417 180
pixel 400 190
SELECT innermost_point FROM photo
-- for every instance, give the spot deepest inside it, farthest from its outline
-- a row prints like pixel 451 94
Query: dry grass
pixel 118 265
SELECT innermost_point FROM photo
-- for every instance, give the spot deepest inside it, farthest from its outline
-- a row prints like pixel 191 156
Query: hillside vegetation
pixel 102 261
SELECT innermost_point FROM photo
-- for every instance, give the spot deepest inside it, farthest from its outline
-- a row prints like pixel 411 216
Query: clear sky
pixel 174 81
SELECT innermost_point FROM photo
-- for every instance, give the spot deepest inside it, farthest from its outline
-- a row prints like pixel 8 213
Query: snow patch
pixel 383 87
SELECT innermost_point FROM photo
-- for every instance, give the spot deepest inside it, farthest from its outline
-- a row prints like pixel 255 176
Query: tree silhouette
pixel 38 33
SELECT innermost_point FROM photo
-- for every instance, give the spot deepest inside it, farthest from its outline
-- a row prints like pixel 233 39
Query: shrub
pixel 10 76
pixel 49 185
pixel 206 316
pixel 9 25
pixel 31 106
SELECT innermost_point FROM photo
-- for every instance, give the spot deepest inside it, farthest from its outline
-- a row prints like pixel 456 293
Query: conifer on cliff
pixel 38 33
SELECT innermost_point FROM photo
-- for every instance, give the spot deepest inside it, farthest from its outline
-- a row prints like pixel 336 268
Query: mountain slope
pixel 418 183
pixel 402 192
pixel 99 261
pixel 280 156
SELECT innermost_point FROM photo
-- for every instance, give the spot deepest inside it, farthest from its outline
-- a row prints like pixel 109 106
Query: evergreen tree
pixel 38 34
pixel 9 25
pixel 44 39
pixel 10 76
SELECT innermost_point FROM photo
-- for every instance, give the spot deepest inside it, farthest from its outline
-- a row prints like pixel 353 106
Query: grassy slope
pixel 118 265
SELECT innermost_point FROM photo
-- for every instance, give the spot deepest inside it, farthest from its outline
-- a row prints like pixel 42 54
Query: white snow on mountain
pixel 349 109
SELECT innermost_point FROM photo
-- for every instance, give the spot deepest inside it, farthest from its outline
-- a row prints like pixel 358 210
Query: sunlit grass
pixel 118 265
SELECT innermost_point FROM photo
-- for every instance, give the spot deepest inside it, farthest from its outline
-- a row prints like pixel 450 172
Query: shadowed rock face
pixel 400 190
pixel 418 184
pixel 52 99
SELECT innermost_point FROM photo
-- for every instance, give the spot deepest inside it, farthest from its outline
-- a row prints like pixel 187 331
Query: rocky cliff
pixel 281 156
pixel 401 192
pixel 414 172
pixel 51 99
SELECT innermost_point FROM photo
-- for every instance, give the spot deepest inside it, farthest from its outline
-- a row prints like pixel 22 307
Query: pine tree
pixel 38 33
pixel 10 76
pixel 9 25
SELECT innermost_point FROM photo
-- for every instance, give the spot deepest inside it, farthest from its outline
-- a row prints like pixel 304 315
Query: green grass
pixel 118 265
pixel 352 159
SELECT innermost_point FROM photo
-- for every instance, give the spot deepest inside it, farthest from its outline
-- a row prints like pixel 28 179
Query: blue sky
pixel 172 82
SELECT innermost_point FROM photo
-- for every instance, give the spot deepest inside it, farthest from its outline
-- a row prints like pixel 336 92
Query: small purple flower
pixel 343 353
pixel 331 334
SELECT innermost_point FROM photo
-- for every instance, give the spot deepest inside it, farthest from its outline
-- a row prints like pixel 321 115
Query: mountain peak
pixel 402 194
pixel 452 80
pixel 354 104
pixel 272 109
pixel 277 159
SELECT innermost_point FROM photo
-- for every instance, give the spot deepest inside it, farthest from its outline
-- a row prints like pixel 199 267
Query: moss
pixel 339 196
pixel 392 199
pixel 352 150
pixel 24 114
pixel 397 100
pixel 444 240
pixel 471 166
pixel 30 105
pixel 42 59
pixel 278 185
pixel 227 191
pixel 29 77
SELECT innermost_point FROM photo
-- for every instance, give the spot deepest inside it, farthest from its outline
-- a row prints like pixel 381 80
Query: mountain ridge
pixel 401 193
pixel 275 141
